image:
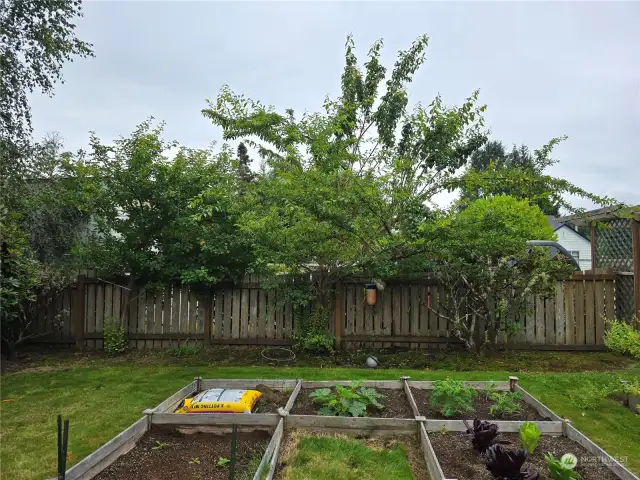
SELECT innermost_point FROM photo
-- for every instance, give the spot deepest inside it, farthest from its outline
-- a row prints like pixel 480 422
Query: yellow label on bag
pixel 221 400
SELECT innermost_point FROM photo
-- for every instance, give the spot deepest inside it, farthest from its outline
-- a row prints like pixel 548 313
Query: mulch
pixel 459 460
pixel 481 406
pixel 192 456
pixel 395 404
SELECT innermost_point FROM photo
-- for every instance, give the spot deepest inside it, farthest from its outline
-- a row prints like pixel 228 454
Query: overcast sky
pixel 544 70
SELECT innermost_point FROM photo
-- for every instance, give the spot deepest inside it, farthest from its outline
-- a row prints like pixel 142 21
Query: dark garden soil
pixel 459 460
pixel 192 456
pixel 270 400
pixel 395 404
pixel 481 406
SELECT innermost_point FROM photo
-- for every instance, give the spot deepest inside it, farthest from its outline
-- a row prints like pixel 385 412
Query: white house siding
pixel 572 240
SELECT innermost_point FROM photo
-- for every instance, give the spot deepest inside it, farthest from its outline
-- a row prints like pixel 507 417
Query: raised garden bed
pixel 481 408
pixel 306 455
pixel 459 460
pixel 167 453
pixel 396 404
pixel 405 416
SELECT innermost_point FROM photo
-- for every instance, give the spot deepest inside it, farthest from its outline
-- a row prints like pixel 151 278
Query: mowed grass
pixel 103 399
pixel 331 458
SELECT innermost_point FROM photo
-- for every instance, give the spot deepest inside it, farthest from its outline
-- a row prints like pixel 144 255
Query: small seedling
pixel 194 460
pixel 223 462
pixel 160 445
pixel 443 430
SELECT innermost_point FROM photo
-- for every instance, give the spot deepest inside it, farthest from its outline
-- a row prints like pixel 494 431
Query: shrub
pixel 346 401
pixel 529 436
pixel 312 336
pixel 182 351
pixel 451 397
pixel 632 387
pixel 562 469
pixel 115 336
pixel 621 337
pixel 505 404
pixel 589 395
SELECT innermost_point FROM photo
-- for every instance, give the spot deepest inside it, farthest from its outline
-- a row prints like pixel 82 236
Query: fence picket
pixel 569 317
pixel 599 313
pixel 559 314
pixel 579 313
pixel 590 313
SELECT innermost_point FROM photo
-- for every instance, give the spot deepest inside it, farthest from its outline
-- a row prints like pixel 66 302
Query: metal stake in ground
pixel 234 447
pixel 63 441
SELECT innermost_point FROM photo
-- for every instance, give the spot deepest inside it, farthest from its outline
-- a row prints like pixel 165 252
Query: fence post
pixel 635 226
pixel 338 316
pixel 78 319
pixel 207 318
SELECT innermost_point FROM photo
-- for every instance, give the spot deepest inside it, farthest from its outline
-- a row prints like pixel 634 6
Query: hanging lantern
pixel 370 291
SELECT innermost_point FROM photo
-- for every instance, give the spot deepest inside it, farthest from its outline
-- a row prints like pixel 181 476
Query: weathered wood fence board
pixel 411 315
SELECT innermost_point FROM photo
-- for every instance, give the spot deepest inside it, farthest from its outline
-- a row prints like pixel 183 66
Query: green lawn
pixel 103 397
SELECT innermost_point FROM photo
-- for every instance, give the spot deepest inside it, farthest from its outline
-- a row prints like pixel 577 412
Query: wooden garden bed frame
pixel 279 422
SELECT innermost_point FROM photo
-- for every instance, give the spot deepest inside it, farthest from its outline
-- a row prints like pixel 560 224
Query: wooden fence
pixel 245 314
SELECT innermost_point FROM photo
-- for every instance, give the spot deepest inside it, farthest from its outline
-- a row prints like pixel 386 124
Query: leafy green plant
pixel 182 351
pixel 529 436
pixel 160 445
pixel 490 391
pixel 562 469
pixel 115 336
pixel 632 387
pixel 452 396
pixel 223 462
pixel 193 460
pixel 505 404
pixel 621 337
pixel 346 401
pixel 312 333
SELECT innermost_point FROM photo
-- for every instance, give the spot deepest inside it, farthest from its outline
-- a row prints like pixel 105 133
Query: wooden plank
pixel 395 384
pixel 433 466
pixel 183 319
pixel 358 321
pixel 253 313
pixel 270 318
pixel 149 318
pixel 236 313
pixel 293 396
pixel 423 327
pixel 117 304
pixel 590 313
pixel 269 452
pixel 599 313
pixel 193 303
pixel 275 384
pixel 579 313
pixel 405 314
pixel 277 442
pixel 396 319
pixel 443 325
pixel 262 314
pixel 99 311
pixel 171 403
pixel 410 399
pixel 531 319
pixel 223 419
pixel 387 315
pixel 550 320
pixel 360 424
pixel 505 426
pixel 559 314
pixel 569 317
pixel 400 339
pixel 616 467
pixel 157 315
pixel 90 317
pixel 132 321
pixel 539 320
pixel 414 321
pixel 80 313
pixel 433 310
pixel 227 310
pixel 541 408
pixel 350 310
pixel 104 456
pixel 338 315
pixel 66 313
pixel 287 329
pixel 609 300
pixel 501 386
pixel 279 315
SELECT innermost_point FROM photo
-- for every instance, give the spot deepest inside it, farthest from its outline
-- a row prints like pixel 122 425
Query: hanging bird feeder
pixel 370 293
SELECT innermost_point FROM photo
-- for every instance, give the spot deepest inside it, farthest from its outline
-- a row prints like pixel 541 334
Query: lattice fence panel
pixel 625 303
pixel 614 246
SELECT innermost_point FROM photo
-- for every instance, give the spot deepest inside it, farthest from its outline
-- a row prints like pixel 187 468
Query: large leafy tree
pixel 344 187
pixel 36 38
pixel 144 222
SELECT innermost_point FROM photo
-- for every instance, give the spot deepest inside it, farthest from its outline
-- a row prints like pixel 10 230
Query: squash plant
pixel 352 400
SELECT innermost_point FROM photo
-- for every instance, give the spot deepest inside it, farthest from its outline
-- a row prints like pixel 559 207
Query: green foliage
pixel 529 436
pixel 115 336
pixel 632 387
pixel 561 469
pixel 590 395
pixel 38 38
pixel 623 338
pixel 223 462
pixel 451 397
pixel 482 259
pixel 346 401
pixel 312 335
pixel 505 404
pixel 160 445
pixel 182 351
